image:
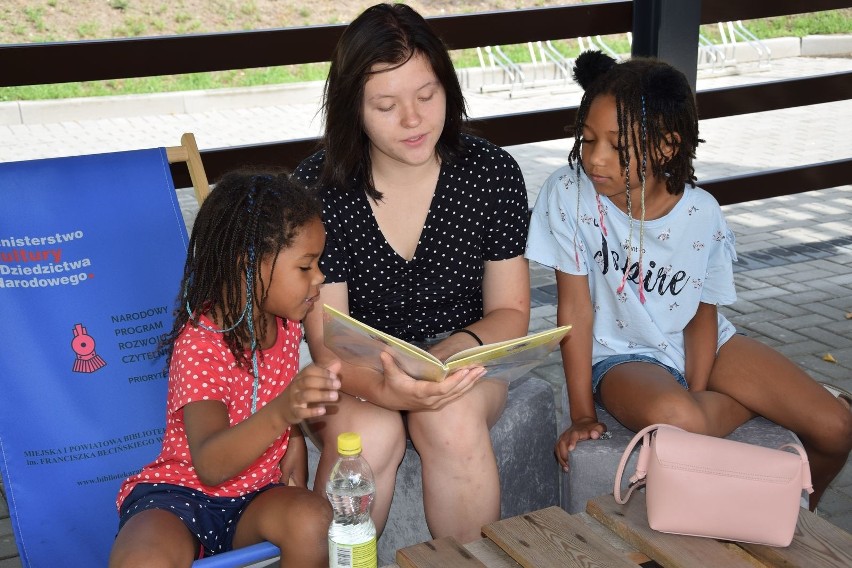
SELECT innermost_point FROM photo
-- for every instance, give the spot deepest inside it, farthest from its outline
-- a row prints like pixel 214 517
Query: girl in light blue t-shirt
pixel 643 258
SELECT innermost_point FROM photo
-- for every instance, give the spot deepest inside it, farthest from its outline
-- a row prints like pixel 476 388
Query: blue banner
pixel 91 256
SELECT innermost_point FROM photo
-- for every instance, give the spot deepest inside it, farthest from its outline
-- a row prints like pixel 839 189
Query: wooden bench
pixel 612 535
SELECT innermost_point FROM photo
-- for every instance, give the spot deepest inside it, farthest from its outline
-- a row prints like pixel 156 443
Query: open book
pixel 359 344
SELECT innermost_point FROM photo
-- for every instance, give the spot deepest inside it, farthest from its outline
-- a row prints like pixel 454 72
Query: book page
pixel 359 344
pixel 511 359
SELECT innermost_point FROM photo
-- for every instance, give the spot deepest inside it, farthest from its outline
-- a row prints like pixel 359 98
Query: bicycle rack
pixel 737 31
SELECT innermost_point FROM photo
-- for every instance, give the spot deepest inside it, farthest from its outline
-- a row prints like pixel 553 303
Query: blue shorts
pixel 601 368
pixel 213 520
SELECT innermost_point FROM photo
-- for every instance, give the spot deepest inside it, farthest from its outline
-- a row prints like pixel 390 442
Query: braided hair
pixel 647 92
pixel 249 216
pixel 657 121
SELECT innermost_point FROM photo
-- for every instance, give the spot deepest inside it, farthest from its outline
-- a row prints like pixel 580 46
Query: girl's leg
pixel 639 394
pixel 382 439
pixel 294 519
pixel 772 386
pixel 154 539
pixel 461 487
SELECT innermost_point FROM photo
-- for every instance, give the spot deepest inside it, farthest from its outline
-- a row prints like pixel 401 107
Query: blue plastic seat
pixel 91 254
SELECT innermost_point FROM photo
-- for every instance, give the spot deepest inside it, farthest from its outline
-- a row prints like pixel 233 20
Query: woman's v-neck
pixel 430 212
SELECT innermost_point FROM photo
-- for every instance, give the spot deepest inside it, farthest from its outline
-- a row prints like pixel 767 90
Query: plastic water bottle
pixel 351 489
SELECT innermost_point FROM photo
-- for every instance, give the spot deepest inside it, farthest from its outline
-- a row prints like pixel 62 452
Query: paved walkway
pixel 795 272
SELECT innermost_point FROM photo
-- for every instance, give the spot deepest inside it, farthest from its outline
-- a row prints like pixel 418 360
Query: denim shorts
pixel 601 368
pixel 213 520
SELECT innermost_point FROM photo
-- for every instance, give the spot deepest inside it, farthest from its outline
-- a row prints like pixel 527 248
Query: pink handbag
pixel 712 487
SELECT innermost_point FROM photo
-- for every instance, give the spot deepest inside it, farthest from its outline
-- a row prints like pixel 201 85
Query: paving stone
pixel 769 271
pixel 745 281
pixel 780 280
pixel 812 295
pixel 766 258
pixel 783 306
pixel 831 312
pixel 776 332
pixel 746 263
pixel 796 287
pixel 761 293
pixel 748 320
pixel 828 266
pixel 743 306
pixel 799 322
pixel 803 348
pixel 826 337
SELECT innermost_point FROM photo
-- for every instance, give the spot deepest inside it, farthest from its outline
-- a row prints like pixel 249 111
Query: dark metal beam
pixel 668 30
pixel 774 95
pixel 786 181
pixel 37 64
pixel 713 11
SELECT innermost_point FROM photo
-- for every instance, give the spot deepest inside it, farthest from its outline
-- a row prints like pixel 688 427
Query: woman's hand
pixel 583 429
pixel 402 392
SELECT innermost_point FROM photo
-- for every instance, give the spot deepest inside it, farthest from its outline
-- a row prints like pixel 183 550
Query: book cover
pixel 359 344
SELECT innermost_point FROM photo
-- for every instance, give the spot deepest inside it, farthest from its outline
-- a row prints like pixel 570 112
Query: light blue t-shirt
pixel 688 256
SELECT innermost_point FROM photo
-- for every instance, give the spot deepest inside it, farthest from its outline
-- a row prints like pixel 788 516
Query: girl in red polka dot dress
pixel 233 467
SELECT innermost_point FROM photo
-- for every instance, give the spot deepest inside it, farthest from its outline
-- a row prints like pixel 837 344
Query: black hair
pixel 249 216
pixel 649 89
pixel 383 34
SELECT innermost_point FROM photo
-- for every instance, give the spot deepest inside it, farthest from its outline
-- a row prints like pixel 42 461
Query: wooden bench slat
pixel 672 551
pixel 816 542
pixel 438 553
pixel 553 538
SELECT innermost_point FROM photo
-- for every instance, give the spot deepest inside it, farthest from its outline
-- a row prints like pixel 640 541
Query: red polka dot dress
pixel 203 368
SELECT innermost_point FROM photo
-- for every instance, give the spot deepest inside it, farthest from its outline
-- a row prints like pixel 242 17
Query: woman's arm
pixel 700 339
pixel 574 307
pixel 505 306
pixel 392 389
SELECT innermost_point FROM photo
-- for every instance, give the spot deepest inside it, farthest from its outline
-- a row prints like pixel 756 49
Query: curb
pixel 473 78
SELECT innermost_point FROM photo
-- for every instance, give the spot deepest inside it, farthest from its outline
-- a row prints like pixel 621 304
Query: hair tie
pixel 468 332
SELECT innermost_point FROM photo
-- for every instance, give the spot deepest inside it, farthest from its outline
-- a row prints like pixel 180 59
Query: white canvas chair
pixel 91 253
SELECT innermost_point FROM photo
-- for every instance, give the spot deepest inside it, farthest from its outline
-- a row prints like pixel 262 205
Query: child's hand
pixel 309 392
pixel 583 429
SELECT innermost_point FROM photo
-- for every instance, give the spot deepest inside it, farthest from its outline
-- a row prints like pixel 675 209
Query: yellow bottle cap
pixel 349 443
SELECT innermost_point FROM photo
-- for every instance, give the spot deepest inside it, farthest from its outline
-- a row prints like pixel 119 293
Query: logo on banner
pixel 83 344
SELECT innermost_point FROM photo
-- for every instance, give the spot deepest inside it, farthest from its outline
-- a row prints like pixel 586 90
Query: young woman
pixel 233 470
pixel 426 230
pixel 642 259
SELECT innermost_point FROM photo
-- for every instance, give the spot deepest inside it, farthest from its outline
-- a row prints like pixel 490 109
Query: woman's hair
pixel 249 216
pixel 389 34
pixel 651 97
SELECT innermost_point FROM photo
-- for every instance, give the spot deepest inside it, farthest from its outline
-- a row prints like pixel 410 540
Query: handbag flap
pixel 678 449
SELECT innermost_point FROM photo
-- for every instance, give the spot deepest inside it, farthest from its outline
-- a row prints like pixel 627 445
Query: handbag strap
pixel 807 485
pixel 638 478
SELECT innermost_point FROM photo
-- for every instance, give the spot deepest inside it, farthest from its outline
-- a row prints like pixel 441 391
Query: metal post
pixel 668 30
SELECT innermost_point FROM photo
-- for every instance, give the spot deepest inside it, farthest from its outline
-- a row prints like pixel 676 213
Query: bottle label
pixel 361 555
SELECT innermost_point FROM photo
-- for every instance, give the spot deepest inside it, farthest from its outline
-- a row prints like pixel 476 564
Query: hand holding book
pixel 359 344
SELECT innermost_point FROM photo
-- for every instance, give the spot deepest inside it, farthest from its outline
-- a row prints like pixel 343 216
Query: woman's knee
pixel 451 440
pixel 382 431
